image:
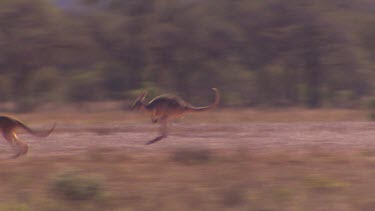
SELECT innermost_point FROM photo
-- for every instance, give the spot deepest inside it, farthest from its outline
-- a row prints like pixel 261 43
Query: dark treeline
pixel 258 53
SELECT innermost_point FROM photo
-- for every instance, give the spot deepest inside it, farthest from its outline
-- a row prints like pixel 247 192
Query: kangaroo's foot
pixel 21 151
pixel 156 139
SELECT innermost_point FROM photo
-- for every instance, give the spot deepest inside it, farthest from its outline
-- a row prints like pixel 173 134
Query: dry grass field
pixel 253 160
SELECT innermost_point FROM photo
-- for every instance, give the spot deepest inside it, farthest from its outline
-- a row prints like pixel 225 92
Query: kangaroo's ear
pixel 142 96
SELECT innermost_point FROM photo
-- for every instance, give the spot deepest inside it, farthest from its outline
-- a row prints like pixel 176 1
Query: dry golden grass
pixel 190 178
pixel 230 180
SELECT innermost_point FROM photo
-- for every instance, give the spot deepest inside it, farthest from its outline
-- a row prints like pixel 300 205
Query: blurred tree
pixel 275 53
pixel 32 35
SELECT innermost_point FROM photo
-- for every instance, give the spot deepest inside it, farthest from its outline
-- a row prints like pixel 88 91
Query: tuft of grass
pixel 14 205
pixel 368 153
pixel 75 187
pixel 191 156
pixel 369 103
pixel 233 197
pixel 281 194
pixel 106 154
pixel 324 183
pixel 372 116
pixel 101 131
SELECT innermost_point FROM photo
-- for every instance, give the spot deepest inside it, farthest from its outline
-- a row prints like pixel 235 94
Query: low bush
pixel 72 186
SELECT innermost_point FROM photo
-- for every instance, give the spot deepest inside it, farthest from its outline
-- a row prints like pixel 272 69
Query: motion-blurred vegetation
pixel 269 53
pixel 71 186
pixel 308 180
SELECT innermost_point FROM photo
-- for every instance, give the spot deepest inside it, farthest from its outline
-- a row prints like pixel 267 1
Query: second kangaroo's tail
pixel 209 107
pixel 36 133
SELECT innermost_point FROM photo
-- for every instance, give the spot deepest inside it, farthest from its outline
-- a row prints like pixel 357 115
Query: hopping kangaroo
pixel 8 128
pixel 165 108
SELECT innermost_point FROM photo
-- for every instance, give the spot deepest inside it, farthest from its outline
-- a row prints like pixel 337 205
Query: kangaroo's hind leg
pixel 18 145
pixel 23 148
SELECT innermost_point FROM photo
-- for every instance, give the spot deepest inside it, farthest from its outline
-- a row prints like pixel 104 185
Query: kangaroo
pixel 8 126
pixel 165 108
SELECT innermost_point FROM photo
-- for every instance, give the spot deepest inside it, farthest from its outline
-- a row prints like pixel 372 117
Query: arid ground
pixel 260 160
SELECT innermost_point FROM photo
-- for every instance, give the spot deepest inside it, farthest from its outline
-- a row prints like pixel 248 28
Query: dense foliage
pixel 273 53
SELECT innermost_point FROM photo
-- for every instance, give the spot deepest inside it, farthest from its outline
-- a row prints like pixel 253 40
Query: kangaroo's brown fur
pixel 8 126
pixel 165 108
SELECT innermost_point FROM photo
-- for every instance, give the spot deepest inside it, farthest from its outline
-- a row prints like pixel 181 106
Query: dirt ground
pixel 230 160
pixel 257 137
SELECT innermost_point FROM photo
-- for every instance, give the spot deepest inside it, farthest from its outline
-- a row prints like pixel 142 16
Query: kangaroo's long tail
pixel 36 133
pixel 209 107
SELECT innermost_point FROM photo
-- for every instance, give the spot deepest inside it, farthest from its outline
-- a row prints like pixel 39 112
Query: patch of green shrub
pixel 75 187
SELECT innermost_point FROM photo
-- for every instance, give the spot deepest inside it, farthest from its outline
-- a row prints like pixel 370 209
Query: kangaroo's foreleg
pixel 154 117
pixel 163 130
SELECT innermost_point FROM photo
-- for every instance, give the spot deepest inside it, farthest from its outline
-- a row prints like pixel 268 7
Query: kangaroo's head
pixel 138 103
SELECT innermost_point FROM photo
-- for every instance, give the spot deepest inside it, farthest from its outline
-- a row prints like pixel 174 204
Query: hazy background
pixel 258 53
pixel 79 63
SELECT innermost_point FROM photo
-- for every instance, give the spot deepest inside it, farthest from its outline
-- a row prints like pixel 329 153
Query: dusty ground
pixel 276 160
pixel 255 130
pixel 255 137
